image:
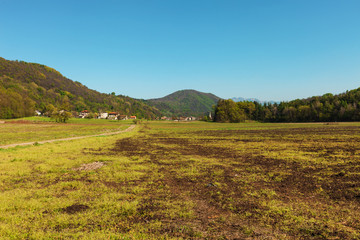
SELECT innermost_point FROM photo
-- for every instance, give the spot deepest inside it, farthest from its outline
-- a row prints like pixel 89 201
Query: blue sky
pixel 265 49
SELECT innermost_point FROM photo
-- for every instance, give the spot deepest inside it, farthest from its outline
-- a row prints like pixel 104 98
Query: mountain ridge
pixel 185 102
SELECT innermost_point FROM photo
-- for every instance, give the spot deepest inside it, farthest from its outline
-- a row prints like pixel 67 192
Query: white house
pixel 103 115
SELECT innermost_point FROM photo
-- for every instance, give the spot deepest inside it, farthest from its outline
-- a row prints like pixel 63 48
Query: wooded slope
pixel 25 87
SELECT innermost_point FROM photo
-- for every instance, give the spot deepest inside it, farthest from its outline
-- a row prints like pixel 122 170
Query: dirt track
pixel 67 139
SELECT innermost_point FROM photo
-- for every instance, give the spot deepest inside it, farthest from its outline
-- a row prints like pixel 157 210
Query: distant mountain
pixel 26 87
pixel 185 103
pixel 240 99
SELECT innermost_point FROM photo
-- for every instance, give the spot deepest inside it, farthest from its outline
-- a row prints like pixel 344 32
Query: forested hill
pixel 25 87
pixel 185 103
pixel 325 108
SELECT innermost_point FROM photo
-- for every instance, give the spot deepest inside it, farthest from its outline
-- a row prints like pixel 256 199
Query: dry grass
pixel 195 180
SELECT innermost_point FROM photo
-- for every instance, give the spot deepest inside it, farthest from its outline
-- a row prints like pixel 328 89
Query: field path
pixel 130 128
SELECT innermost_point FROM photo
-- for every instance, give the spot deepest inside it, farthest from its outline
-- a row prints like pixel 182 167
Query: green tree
pixel 63 113
pixel 229 111
pixel 60 115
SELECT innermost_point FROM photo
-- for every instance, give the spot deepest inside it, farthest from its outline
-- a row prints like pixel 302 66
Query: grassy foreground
pixel 43 128
pixel 167 180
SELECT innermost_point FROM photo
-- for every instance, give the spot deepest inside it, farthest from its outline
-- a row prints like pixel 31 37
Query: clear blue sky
pixel 266 49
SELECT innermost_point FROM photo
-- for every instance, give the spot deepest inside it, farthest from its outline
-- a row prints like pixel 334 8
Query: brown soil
pixel 211 217
pixel 75 208
pixel 20 122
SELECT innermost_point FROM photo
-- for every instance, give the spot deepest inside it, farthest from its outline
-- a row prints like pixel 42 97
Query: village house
pixel 103 115
pixel 190 119
pixel 122 117
pixel 83 114
pixel 132 117
pixel 112 115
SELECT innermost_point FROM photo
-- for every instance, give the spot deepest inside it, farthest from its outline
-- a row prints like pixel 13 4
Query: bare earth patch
pixel 90 166
pixel 75 208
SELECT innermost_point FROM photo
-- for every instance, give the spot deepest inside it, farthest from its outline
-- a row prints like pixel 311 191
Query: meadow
pixel 174 180
pixel 43 128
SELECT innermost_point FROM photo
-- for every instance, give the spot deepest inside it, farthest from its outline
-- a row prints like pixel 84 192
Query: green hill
pixel 185 103
pixel 26 87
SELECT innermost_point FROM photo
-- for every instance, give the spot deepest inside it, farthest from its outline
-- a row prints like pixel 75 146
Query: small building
pixel 132 117
pixel 83 114
pixel 37 113
pixel 190 118
pixel 103 115
pixel 122 117
pixel 112 115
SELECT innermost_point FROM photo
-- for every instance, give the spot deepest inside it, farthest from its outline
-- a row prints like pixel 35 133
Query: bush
pixel 136 121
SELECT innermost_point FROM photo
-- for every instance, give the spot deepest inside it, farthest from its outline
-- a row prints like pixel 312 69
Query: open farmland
pixel 168 180
pixel 41 128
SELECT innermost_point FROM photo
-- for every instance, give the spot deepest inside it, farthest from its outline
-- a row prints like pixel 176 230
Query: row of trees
pixel 326 108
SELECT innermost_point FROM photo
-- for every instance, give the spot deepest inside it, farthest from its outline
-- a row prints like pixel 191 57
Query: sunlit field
pixel 43 128
pixel 181 180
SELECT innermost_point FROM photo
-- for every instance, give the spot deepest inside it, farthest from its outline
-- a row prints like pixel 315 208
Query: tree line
pixel 326 108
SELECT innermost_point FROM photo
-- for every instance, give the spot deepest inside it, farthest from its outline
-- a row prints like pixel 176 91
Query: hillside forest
pixel 26 87
pixel 326 108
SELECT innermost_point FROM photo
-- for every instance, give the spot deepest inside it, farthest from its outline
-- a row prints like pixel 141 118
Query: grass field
pixel 197 180
pixel 42 128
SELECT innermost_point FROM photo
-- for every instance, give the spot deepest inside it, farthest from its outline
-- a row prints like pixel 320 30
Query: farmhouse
pixel 112 115
pixel 83 114
pixel 103 115
pixel 132 117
